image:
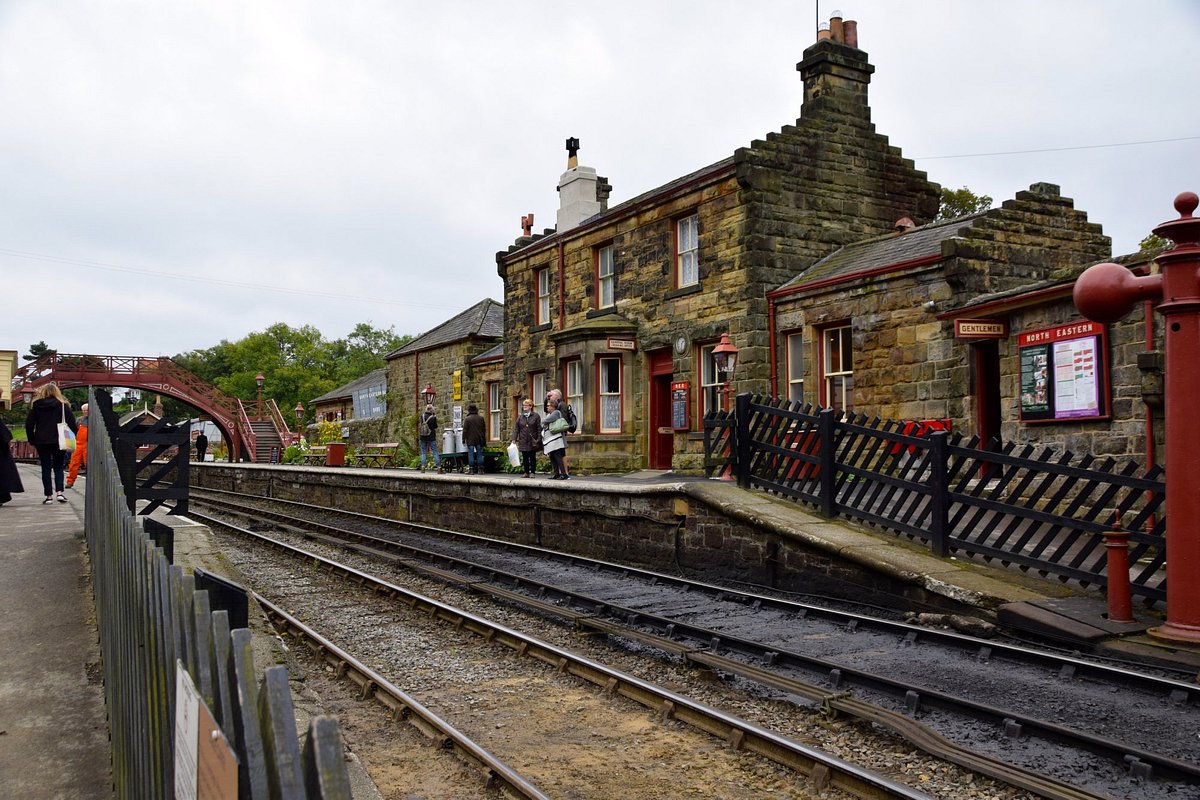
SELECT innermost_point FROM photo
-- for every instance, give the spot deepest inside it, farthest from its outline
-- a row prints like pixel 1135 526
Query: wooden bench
pixel 378 454
pixel 315 455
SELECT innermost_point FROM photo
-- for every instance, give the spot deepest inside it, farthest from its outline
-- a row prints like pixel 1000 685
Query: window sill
pixel 682 291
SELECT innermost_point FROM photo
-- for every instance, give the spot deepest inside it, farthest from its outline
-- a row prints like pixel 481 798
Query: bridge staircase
pixel 266 440
pixel 254 437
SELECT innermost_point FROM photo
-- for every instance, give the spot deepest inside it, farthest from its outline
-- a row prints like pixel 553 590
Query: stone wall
pixel 698 529
pixel 408 375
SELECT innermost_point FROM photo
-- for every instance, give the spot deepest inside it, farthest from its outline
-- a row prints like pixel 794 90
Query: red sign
pixel 1058 333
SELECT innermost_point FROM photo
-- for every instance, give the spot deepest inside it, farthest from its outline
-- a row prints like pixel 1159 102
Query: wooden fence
pixel 154 623
pixel 1026 506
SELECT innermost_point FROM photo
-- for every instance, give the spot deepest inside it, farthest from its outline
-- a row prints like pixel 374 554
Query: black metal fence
pixel 152 458
pixel 153 623
pixel 1024 506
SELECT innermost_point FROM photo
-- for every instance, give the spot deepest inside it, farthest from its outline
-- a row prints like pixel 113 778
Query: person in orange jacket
pixel 79 457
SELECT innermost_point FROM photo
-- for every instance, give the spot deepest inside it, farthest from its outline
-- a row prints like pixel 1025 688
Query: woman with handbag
pixel 527 436
pixel 554 435
pixel 50 427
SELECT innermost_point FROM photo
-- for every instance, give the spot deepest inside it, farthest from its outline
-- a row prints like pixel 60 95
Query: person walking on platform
pixel 10 479
pixel 527 436
pixel 79 457
pixel 48 409
pixel 201 445
pixel 474 433
pixel 427 427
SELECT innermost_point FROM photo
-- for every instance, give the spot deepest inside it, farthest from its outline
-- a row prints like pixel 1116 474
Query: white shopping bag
pixel 514 455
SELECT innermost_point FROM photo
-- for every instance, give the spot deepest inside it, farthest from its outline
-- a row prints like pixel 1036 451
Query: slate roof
pixel 484 320
pixel 615 211
pixel 885 251
pixel 372 378
pixel 491 354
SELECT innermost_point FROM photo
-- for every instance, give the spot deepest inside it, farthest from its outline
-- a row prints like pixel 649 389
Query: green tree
pixel 1153 243
pixel 961 202
pixel 297 364
pixel 38 350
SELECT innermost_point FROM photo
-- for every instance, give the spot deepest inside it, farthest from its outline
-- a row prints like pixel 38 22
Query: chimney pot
pixel 850 31
pixel 904 225
pixel 823 32
pixel 836 29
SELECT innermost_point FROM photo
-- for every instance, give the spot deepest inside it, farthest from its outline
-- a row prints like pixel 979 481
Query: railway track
pixel 826 775
pixel 632 605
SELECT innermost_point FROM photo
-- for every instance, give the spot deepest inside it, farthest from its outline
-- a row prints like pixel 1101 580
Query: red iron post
pixel 1107 292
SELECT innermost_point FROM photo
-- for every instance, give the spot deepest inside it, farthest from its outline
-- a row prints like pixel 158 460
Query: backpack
pixel 423 426
pixel 572 422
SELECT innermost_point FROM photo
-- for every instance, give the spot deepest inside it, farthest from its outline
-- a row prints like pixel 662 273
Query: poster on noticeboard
pixel 1064 373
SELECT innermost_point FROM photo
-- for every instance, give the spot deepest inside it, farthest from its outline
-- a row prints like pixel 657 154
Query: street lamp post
pixel 725 357
pixel 27 394
pixel 429 394
pixel 299 421
pixel 259 380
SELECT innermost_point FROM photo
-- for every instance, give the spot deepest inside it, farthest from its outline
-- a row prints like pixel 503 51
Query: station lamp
pixel 725 358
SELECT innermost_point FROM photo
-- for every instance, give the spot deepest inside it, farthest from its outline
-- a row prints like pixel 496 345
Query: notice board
pixel 679 406
pixel 1064 373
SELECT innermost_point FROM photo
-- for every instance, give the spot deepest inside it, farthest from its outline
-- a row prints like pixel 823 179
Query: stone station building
pixel 621 307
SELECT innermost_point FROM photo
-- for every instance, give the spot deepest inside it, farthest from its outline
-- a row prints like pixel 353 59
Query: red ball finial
pixel 1186 203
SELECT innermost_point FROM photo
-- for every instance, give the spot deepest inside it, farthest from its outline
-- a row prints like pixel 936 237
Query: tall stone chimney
pixel 581 193
pixel 835 71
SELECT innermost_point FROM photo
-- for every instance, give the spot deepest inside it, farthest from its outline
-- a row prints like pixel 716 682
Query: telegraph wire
pixel 1058 149
pixel 215 281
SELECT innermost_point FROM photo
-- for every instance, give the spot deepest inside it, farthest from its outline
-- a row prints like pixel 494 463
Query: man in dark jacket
pixel 474 433
pixel 201 445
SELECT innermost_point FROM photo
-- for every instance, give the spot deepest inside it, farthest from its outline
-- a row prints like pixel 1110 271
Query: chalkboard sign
pixel 679 405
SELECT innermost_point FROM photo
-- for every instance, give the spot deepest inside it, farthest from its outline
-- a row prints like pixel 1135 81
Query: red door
pixel 986 369
pixel 662 437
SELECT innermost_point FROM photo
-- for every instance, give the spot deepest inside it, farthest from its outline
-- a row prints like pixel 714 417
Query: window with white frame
pixel 609 369
pixel 537 388
pixel 495 410
pixel 795 367
pixel 606 278
pixel 543 296
pixel 687 244
pixel 574 390
pixel 837 367
pixel 710 381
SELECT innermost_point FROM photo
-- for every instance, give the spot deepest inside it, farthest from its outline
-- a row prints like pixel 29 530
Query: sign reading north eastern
pixel 1064 372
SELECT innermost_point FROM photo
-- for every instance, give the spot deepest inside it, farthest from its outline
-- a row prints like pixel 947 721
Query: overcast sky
pixel 177 173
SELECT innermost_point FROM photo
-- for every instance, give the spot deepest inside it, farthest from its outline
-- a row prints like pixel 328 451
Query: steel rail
pixel 1118 752
pixel 1175 690
pixel 822 769
pixel 405 707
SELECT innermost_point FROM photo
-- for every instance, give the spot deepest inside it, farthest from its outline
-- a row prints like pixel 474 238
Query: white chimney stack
pixel 577 191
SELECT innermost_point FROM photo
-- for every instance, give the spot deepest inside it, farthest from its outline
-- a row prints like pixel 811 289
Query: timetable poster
pixel 1076 390
pixel 1063 373
pixel 1035 379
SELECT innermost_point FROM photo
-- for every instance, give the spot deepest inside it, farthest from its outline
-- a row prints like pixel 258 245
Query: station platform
pixel 53 725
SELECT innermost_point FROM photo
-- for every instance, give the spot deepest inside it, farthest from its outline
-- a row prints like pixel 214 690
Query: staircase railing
pixel 286 436
pixel 249 438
